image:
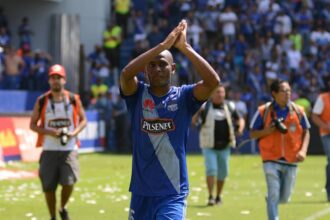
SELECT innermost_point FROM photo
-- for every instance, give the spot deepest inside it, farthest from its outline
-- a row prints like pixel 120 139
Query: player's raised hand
pixel 181 42
pixel 172 37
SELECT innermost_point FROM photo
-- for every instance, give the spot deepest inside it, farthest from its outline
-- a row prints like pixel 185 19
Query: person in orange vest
pixel 58 117
pixel 282 129
pixel 321 117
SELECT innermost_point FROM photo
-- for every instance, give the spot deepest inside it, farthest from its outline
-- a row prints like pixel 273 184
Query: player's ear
pixel 173 68
pixel 146 76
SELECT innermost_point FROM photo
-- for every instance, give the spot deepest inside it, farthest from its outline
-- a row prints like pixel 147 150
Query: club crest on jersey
pixel 148 105
pixel 172 107
pixel 157 126
pixel 59 123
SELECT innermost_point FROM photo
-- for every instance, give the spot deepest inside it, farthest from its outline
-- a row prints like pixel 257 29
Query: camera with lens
pixel 278 123
pixel 64 137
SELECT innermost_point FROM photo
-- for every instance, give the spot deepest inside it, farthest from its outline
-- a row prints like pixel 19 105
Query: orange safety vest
pixel 43 108
pixel 325 115
pixel 278 145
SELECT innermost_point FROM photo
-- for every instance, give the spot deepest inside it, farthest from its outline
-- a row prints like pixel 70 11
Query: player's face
pixel 219 95
pixel 159 70
pixel 56 83
pixel 282 97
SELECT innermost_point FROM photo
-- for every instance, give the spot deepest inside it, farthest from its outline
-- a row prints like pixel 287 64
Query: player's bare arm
pixel 210 79
pixel 128 80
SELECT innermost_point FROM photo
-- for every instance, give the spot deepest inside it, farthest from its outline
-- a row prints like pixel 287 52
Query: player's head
pixel 160 69
pixel 57 77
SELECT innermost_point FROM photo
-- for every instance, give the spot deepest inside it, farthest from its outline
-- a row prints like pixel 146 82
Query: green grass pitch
pixel 102 192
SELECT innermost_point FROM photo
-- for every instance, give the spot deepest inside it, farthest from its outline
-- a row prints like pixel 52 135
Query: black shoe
pixel 53 218
pixel 218 200
pixel 64 214
pixel 210 201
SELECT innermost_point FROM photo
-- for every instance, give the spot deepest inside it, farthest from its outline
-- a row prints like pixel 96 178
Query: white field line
pixel 319 214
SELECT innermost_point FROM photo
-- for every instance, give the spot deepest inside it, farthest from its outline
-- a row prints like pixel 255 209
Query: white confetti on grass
pixel 194 198
pixel 109 189
pixel 308 194
pixel 203 214
pixel 124 197
pixel 118 199
pixel 196 189
pixel 126 209
pixel 245 212
pixel 92 202
pixel 29 214
pixel 101 211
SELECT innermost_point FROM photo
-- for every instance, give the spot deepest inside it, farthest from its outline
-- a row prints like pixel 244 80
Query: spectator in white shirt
pixel 228 20
pixel 320 37
pixel 283 24
pixel 294 58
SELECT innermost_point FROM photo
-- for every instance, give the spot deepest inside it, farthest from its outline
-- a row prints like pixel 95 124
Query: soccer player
pixel 161 115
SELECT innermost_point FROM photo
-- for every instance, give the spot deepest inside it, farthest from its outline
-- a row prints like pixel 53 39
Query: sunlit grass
pixel 102 192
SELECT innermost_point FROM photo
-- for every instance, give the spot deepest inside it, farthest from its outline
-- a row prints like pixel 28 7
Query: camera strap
pixel 294 108
pixel 65 103
pixel 269 107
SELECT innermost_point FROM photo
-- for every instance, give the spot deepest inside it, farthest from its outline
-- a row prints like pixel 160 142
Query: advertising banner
pixel 17 141
pixel 8 140
pixel 26 139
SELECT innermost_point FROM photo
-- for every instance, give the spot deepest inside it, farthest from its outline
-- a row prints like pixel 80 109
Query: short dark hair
pixel 275 86
pixel 326 81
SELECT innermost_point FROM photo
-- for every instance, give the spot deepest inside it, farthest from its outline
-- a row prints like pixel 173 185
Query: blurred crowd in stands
pixel 20 66
pixel 249 42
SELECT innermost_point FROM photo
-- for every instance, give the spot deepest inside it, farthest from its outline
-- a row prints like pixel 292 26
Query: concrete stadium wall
pixel 93 19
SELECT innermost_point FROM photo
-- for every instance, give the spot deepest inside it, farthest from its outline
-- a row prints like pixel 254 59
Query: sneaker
pixel 64 214
pixel 218 200
pixel 210 201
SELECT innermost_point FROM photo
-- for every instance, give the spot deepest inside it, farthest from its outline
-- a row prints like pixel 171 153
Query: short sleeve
pixel 192 103
pixel 318 106
pixel 304 122
pixel 131 100
pixel 256 122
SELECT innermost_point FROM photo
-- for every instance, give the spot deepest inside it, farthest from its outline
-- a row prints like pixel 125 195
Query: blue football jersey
pixel 160 127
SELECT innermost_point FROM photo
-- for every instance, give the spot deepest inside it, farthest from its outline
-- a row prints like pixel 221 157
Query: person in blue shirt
pixel 160 117
pixel 282 130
